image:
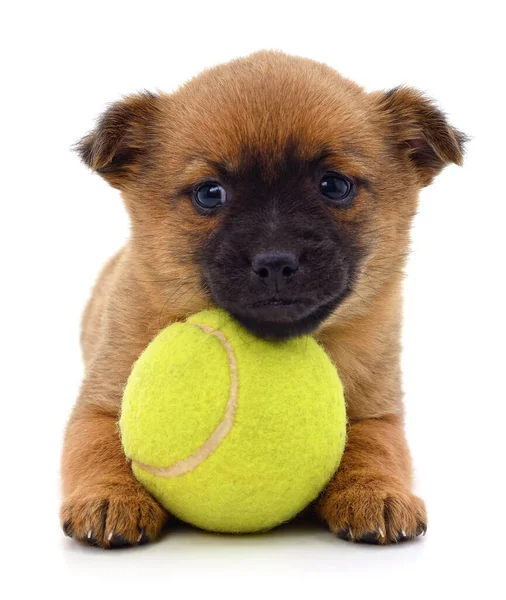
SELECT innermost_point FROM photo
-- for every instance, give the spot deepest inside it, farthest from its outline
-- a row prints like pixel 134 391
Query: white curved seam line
pixel 191 462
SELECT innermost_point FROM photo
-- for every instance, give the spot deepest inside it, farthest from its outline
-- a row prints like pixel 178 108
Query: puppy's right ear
pixel 418 130
pixel 122 135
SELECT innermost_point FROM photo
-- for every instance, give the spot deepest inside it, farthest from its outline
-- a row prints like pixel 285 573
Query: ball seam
pixel 188 464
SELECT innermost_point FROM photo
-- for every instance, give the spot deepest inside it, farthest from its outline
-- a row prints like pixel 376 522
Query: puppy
pixel 277 189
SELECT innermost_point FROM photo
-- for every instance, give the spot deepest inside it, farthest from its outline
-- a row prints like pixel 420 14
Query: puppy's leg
pixel 103 504
pixel 369 498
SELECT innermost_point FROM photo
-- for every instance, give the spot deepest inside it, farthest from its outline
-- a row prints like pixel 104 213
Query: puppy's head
pixel 273 187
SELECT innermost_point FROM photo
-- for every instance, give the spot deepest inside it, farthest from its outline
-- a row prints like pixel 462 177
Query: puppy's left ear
pixel 420 131
pixel 115 148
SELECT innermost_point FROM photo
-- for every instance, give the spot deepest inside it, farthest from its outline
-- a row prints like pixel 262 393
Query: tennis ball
pixel 230 432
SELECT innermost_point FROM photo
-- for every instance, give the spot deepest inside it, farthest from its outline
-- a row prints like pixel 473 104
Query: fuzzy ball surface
pixel 232 433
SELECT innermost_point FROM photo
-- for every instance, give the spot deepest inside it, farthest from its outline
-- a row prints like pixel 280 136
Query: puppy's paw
pixel 112 516
pixel 373 513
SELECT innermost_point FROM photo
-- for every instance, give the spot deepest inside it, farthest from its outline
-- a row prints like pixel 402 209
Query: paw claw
pixel 118 541
pixel 67 529
pixel 143 538
pixel 89 539
pixel 368 538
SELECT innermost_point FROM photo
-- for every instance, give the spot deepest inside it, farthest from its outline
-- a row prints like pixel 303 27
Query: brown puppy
pixel 277 189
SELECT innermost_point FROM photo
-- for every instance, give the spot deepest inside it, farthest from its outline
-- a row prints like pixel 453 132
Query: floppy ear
pixel 114 148
pixel 420 131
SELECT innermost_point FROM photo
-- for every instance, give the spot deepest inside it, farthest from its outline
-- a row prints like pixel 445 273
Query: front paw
pixel 112 515
pixel 373 512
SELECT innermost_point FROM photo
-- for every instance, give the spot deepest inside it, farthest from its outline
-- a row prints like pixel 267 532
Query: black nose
pixel 275 268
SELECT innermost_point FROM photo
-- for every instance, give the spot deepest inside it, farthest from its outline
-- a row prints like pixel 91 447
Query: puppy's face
pixel 273 187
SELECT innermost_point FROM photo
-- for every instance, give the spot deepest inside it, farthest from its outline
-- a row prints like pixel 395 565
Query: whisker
pixel 171 296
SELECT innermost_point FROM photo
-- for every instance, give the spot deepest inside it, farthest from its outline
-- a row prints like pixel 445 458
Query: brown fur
pixel 153 148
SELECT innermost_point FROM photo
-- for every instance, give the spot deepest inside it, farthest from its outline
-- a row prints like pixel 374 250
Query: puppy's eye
pixel 336 188
pixel 209 196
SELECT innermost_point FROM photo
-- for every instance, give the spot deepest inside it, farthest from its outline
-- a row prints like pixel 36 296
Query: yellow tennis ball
pixel 230 432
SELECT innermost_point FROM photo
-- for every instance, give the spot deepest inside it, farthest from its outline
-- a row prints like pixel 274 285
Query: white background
pixel 61 64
